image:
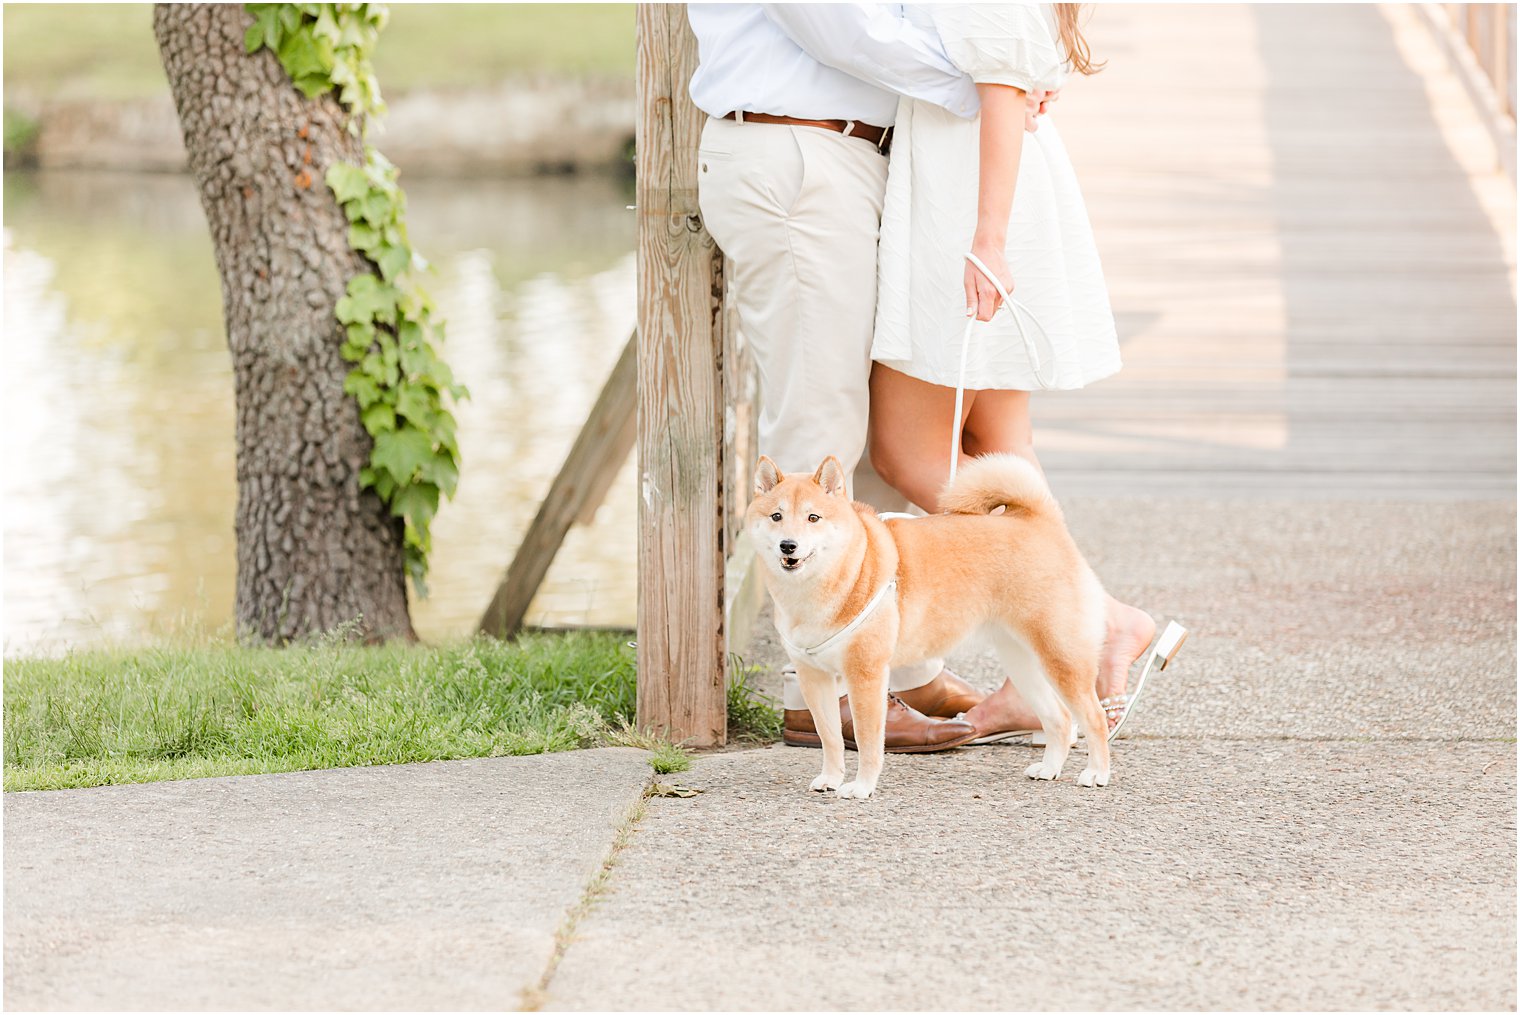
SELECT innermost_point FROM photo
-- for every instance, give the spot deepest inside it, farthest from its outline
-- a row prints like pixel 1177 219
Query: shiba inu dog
pixel 855 595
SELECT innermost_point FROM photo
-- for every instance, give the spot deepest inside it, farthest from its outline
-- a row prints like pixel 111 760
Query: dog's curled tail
pixel 989 482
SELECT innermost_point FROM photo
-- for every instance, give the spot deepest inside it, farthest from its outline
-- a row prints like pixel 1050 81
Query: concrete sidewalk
pixel 1236 874
pixel 1314 809
pixel 437 886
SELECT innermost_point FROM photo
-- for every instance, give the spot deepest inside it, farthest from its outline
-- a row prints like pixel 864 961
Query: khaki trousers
pixel 797 210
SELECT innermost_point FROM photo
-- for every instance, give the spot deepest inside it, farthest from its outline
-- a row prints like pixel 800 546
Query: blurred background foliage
pixel 106 51
pixel 119 393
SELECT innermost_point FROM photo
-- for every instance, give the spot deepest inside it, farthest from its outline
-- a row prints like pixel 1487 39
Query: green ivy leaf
pixel 402 452
pixel 377 208
pixel 343 72
pixel 305 56
pixel 373 367
pixel 352 34
pixel 443 469
pixel 362 387
pixel 361 335
pixel 378 418
pixel 445 378
pixel 443 430
pixel 313 85
pixel 414 403
pixel 368 299
pixel 418 503
pixel 266 21
pixel 326 26
pixel 393 261
pixel 348 182
pixel 253 39
pixel 362 236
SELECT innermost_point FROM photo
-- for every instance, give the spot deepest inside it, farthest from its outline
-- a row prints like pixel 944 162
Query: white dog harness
pixel 1014 309
pixel 843 632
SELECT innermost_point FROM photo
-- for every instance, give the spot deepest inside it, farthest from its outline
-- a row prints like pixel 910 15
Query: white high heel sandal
pixel 1163 652
pixel 1122 705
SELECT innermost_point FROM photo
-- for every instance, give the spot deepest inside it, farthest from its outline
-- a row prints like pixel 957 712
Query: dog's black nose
pixel 789 547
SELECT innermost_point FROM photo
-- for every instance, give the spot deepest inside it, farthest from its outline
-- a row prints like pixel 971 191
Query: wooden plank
pixel 620 443
pixel 599 452
pixel 1311 303
pixel 682 485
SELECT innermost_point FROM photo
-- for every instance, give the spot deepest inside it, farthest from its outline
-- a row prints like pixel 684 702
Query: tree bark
pixel 314 551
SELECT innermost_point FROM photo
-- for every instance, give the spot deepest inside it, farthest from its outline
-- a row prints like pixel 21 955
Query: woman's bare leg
pixel 910 446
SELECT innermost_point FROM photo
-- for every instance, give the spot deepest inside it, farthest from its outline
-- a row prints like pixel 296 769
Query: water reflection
pixel 119 494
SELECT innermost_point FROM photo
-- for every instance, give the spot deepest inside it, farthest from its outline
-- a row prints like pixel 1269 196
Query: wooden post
pixel 682 480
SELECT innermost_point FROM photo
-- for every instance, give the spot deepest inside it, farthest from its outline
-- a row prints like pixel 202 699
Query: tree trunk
pixel 314 551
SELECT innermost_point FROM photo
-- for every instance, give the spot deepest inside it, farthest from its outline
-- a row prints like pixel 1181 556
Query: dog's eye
pixel 812 518
pixel 776 517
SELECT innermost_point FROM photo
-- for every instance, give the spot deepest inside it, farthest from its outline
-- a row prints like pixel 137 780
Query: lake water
pixel 119 489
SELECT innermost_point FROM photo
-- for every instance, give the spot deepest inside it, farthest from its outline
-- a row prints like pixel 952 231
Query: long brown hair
pixel 1068 17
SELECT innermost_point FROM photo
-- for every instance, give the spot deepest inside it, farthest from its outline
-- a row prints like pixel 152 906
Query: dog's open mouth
pixel 793 563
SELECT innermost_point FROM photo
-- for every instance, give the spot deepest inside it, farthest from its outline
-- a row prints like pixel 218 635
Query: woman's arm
pixel 1002 142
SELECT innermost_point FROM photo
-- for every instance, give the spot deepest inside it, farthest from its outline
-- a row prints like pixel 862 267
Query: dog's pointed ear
pixel 830 476
pixel 766 475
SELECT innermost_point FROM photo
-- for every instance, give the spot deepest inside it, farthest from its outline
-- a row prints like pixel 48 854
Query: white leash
pixel 1014 309
pixel 843 632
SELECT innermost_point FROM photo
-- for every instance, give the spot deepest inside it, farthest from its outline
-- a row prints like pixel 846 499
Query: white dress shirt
pixel 843 61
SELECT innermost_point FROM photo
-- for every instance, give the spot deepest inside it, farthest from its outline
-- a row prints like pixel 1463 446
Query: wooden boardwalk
pixel 1311 257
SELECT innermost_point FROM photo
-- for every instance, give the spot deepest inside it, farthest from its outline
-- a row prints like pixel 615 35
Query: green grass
pixel 752 715
pixel 205 707
pixel 665 757
pixel 107 51
pixel 140 716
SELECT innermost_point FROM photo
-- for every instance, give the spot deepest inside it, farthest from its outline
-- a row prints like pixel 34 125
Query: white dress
pixel 930 216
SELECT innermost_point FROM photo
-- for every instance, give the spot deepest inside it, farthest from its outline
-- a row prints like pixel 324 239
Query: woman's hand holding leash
pixel 982 298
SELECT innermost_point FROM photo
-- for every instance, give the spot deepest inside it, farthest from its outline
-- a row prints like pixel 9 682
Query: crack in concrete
pixel 534 995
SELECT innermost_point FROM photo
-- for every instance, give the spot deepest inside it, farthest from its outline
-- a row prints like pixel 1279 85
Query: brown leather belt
pixel 881 137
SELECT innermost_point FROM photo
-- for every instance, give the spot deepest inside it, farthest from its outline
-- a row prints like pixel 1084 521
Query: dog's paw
pixel 1043 770
pixel 826 782
pixel 856 790
pixel 1092 777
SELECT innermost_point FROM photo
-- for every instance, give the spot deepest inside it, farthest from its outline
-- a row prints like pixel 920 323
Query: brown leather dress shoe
pixel 908 730
pixel 946 696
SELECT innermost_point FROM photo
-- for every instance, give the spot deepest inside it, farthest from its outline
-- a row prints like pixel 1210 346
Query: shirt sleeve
pixel 878 47
pixel 1003 44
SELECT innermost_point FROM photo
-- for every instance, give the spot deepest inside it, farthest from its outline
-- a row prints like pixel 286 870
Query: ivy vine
pixel 402 385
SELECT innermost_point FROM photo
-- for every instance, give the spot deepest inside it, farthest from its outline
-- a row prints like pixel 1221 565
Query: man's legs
pixel 797 210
